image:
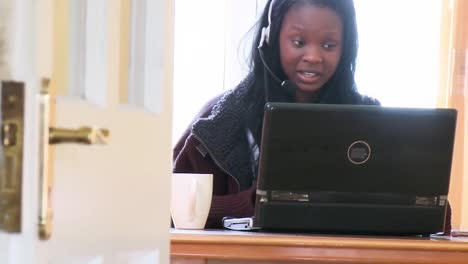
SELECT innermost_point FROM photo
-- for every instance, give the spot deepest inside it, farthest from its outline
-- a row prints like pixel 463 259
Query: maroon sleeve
pixel 226 201
pixel 240 204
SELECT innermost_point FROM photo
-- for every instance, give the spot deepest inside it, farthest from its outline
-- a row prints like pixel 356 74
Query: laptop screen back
pixel 348 148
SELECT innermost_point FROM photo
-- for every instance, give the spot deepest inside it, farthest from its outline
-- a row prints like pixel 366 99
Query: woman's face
pixel 310 47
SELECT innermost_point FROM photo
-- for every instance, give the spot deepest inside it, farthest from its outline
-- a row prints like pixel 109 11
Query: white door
pixel 110 65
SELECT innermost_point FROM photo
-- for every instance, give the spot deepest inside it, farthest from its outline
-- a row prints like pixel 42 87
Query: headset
pixel 265 40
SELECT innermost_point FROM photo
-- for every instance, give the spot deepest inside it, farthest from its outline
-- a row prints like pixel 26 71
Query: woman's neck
pixel 302 97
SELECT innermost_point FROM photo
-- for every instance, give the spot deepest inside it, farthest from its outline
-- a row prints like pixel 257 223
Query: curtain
pixel 452 89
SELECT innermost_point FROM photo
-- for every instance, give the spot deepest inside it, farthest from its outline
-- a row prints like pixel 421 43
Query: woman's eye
pixel 329 45
pixel 298 43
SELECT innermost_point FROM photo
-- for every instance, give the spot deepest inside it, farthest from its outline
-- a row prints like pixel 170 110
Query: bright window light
pixel 398 61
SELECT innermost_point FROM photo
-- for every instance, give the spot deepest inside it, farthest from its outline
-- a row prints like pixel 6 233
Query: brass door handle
pixel 51 135
pixel 82 135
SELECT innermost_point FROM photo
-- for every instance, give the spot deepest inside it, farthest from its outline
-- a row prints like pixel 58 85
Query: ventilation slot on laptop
pixel 354 198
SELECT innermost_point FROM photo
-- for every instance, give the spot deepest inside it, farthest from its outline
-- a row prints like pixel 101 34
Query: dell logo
pixel 359 152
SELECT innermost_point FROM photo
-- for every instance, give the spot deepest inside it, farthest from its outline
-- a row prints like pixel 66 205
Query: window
pixel 399 51
pixel 207 61
pixel 198 58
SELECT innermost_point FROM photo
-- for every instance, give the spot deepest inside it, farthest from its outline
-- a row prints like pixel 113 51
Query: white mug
pixel 191 195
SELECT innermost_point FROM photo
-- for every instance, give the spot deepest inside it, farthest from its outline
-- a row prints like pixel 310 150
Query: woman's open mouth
pixel 309 76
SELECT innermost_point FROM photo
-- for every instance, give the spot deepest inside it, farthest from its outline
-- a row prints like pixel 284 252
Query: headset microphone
pixel 289 86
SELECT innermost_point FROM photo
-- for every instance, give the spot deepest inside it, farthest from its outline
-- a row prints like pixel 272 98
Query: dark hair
pixel 340 89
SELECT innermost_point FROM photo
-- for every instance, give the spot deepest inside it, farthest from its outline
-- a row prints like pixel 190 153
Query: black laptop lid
pixel 349 148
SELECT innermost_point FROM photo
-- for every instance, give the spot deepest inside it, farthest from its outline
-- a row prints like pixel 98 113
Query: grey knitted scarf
pixel 224 135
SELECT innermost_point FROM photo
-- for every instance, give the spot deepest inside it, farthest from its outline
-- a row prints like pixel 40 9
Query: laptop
pixel 354 169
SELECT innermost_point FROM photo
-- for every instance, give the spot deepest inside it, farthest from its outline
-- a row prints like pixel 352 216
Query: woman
pixel 308 55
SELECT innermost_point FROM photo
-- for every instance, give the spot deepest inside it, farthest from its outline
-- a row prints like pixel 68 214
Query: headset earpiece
pixel 265 38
